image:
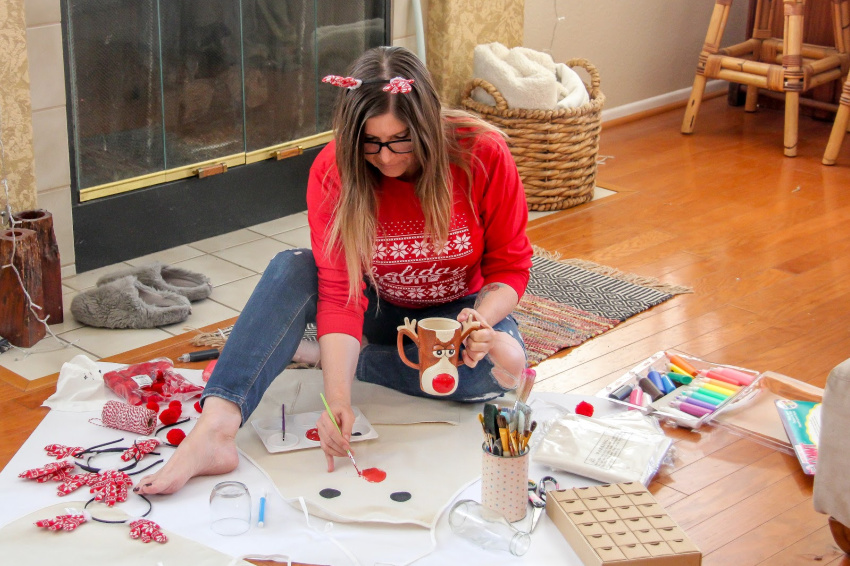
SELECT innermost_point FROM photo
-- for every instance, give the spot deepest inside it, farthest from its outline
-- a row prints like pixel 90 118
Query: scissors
pixel 537 497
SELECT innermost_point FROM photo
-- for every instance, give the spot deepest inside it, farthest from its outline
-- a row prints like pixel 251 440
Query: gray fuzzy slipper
pixel 129 303
pixel 193 286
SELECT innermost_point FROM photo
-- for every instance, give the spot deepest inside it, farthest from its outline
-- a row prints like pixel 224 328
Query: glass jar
pixel 487 528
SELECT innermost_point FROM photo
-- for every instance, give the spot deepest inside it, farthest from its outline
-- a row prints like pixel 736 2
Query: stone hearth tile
pixel 103 342
pixel 219 271
pixel 298 238
pixel 254 255
pixel 203 313
pixel 235 295
pixel 169 256
pixel 48 358
pixel 224 241
pixel 281 224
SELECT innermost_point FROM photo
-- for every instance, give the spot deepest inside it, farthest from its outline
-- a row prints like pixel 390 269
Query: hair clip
pixel 345 82
pixel 398 85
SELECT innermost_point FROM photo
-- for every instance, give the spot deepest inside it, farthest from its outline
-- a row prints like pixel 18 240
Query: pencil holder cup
pixel 438 341
pixel 504 484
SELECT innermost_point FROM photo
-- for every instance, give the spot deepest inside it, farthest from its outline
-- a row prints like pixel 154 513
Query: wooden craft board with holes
pixel 620 524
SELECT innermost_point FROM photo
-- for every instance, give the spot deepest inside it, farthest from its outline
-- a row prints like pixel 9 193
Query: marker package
pixel 683 389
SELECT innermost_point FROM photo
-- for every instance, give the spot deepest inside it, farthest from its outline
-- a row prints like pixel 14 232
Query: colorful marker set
pixel 671 384
pixel 507 431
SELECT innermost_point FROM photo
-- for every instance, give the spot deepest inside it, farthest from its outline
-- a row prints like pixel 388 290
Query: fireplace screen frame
pixel 167 206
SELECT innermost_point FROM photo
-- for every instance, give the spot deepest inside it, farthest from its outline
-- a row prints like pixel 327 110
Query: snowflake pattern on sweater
pixel 411 269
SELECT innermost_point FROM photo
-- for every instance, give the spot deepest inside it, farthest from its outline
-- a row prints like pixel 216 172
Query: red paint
pixel 374 475
pixel 443 383
pixel 313 434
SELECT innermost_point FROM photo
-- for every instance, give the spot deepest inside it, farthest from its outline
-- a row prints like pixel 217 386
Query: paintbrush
pixel 333 420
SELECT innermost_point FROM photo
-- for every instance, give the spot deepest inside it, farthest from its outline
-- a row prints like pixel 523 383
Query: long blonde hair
pixel 438 135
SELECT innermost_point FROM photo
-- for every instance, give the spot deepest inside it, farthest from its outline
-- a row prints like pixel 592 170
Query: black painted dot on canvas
pixel 329 493
pixel 400 496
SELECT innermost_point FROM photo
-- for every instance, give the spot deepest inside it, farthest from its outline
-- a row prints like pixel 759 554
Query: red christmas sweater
pixel 409 272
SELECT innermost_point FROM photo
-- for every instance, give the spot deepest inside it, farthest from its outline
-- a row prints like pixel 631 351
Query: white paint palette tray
pixel 299 425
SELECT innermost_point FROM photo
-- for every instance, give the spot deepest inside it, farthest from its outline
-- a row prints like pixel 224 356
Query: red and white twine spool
pixel 138 419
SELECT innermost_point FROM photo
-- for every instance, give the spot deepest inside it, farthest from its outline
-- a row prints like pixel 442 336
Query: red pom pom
pixel 153 406
pixel 169 416
pixel 585 409
pixel 175 436
pixel 175 404
pixel 198 407
pixel 156 387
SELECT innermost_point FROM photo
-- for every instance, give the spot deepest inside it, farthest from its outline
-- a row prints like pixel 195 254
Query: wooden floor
pixel 763 241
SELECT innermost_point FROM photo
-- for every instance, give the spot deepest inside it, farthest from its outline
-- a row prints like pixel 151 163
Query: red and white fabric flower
pixel 75 482
pixel 61 451
pixel 140 449
pixel 344 82
pixel 63 522
pixel 398 85
pixel 56 471
pixel 111 487
pixel 147 531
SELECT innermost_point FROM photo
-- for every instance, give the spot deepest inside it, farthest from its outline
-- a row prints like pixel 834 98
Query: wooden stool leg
pixel 712 43
pixel 839 129
pixel 752 100
pixel 792 63
pixel 792 116
pixel 694 103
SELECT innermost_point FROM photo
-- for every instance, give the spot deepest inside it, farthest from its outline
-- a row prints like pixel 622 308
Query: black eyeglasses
pixel 397 146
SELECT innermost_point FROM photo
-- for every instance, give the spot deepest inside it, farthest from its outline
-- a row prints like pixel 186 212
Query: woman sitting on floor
pixel 413 204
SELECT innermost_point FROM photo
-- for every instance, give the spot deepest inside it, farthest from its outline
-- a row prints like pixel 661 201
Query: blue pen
pixel 261 520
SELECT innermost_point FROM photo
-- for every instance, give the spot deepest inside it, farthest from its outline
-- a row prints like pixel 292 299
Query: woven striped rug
pixel 566 303
pixel 570 301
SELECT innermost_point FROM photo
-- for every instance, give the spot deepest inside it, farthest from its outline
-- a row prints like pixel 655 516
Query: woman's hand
pixel 334 444
pixel 479 342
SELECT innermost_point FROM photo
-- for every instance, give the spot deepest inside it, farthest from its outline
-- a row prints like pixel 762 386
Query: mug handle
pixel 407 329
pixel 466 329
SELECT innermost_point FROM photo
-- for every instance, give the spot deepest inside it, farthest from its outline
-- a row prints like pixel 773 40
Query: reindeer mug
pixel 439 341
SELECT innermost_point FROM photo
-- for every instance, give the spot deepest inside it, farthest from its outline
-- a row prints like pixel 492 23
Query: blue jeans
pixel 270 327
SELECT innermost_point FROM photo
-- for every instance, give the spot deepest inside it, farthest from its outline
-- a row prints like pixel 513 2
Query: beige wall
pixel 16 161
pixel 643 49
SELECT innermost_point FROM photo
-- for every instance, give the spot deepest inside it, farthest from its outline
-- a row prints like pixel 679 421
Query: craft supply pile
pixel 569 442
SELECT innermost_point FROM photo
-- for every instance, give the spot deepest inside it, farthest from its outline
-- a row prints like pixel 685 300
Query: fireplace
pixel 194 118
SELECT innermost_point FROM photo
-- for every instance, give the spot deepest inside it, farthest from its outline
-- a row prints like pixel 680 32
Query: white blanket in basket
pixel 526 78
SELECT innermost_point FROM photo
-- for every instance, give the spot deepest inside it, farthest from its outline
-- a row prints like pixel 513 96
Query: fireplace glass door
pixel 162 90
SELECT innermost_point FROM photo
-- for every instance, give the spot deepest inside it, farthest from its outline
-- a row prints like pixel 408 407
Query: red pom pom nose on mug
pixel 438 341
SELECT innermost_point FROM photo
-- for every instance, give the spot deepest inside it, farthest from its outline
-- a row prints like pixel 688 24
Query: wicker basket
pixel 555 150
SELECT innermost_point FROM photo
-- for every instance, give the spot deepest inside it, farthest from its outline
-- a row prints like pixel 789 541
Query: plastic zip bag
pixel 155 380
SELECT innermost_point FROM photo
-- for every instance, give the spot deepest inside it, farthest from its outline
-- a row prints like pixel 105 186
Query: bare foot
pixel 308 353
pixel 208 450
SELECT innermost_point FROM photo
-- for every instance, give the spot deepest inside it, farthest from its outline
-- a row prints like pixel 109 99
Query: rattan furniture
pixel 842 119
pixel 780 64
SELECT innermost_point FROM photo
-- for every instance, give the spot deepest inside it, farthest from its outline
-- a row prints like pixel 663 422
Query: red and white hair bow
pixel 56 471
pixel 67 522
pixel 61 451
pixel 147 531
pixel 344 82
pixel 75 482
pixel 398 85
pixel 111 487
pixel 140 449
